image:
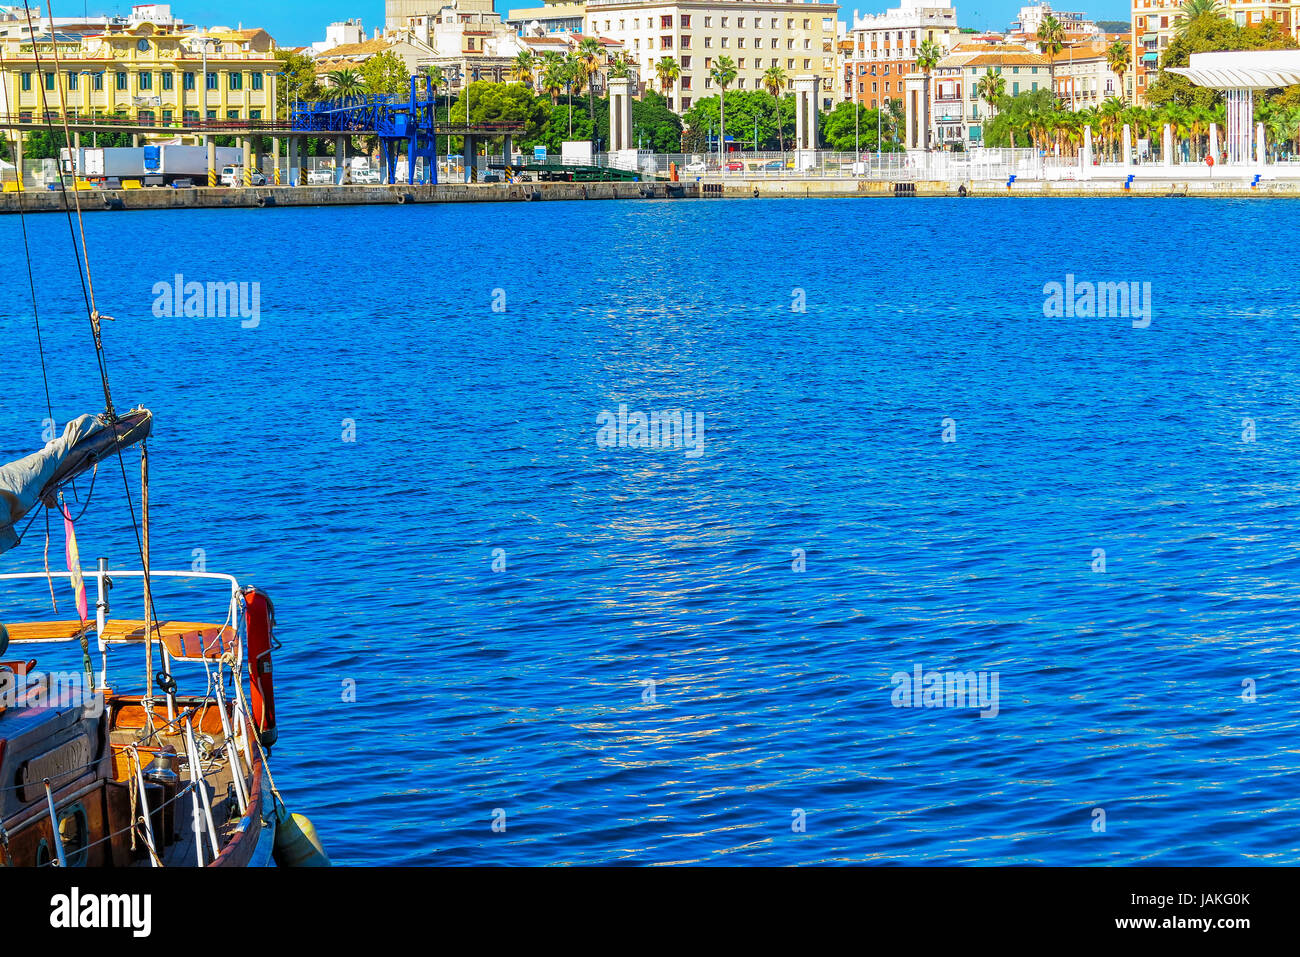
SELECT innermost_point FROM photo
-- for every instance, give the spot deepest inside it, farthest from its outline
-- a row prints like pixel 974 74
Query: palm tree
pixel 723 74
pixel 1051 41
pixel 667 72
pixel 524 67
pixel 1109 121
pixel 928 55
pixel 621 68
pixel 575 74
pixel 1192 9
pixel 590 58
pixel 774 80
pixel 1117 55
pixel 553 76
pixel 346 83
pixel 991 88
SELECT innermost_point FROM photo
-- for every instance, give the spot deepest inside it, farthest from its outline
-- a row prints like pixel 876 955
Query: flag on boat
pixel 73 557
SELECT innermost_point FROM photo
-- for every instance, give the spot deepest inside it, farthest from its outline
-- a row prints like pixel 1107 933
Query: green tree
pixel 1193 9
pixel 299 82
pixel 345 84
pixel 774 82
pixel 385 74
pixel 991 88
pixel 667 71
pixel 1117 60
pixel 591 59
pixel 1208 34
pixel 524 68
pixel 723 74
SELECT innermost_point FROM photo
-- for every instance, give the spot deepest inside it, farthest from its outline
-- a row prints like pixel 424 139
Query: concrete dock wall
pixel 277 196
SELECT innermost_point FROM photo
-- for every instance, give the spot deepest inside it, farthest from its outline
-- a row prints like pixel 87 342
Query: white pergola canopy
pixel 1243 69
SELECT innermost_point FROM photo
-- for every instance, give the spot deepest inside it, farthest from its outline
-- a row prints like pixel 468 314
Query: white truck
pixel 151 165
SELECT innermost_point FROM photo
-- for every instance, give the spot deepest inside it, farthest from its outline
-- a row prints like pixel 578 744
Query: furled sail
pixel 85 442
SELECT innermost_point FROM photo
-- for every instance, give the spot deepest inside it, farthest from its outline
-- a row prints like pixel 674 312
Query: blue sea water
pixel 525 690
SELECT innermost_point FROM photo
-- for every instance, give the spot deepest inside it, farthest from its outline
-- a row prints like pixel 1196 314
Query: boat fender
pixel 404 198
pixel 296 842
pixel 264 201
pixel 112 202
pixel 259 618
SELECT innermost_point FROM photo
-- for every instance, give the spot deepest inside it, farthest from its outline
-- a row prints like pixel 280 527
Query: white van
pixel 234 176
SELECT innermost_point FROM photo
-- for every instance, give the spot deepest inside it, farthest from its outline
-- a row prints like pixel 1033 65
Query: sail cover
pixel 84 443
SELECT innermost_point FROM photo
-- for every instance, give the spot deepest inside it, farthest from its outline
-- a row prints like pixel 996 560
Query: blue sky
pixel 299 22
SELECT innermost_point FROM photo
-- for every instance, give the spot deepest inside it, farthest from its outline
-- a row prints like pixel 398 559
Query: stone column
pixel 275 149
pixel 18 161
pixel 212 160
pixel 1214 141
pixel 622 144
pixel 1259 144
pixel 1128 146
pixel 806 90
pixel 1167 146
pixel 1085 154
pixel 917 111
pixel 620 115
pixel 469 152
pixel 246 147
pixel 340 160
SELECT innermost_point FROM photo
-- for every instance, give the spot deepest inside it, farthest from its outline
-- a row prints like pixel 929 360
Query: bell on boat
pixel 296 842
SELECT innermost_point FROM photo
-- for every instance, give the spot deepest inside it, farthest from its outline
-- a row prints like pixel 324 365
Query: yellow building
pixel 146 72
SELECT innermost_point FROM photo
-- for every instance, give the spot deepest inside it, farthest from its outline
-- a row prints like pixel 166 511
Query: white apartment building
pixel 468 39
pixel 14 21
pixel 1073 24
pixel 799 36
pixel 884 47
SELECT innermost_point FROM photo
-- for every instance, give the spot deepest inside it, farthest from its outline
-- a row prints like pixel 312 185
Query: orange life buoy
pixel 259 621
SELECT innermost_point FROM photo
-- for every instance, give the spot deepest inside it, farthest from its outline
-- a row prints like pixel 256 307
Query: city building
pixel 466 39
pixel 1076 26
pixel 342 33
pixel 799 36
pixel 147 71
pixel 556 16
pixel 885 45
pixel 1155 23
pixel 1084 78
pixel 353 56
pixel 20 22
pixel 958 114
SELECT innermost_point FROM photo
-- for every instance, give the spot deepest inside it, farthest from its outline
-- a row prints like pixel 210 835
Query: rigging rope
pixel 27 249
pixel 82 258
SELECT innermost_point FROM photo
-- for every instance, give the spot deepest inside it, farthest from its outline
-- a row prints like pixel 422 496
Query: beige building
pixel 1155 23
pixel 148 72
pixel 1084 78
pixel 799 36
pixel 958 114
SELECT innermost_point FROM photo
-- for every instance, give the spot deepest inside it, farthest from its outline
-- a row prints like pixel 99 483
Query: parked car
pixel 774 165
pixel 735 166
pixel 234 176
pixel 320 177
pixel 366 177
pixel 696 169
